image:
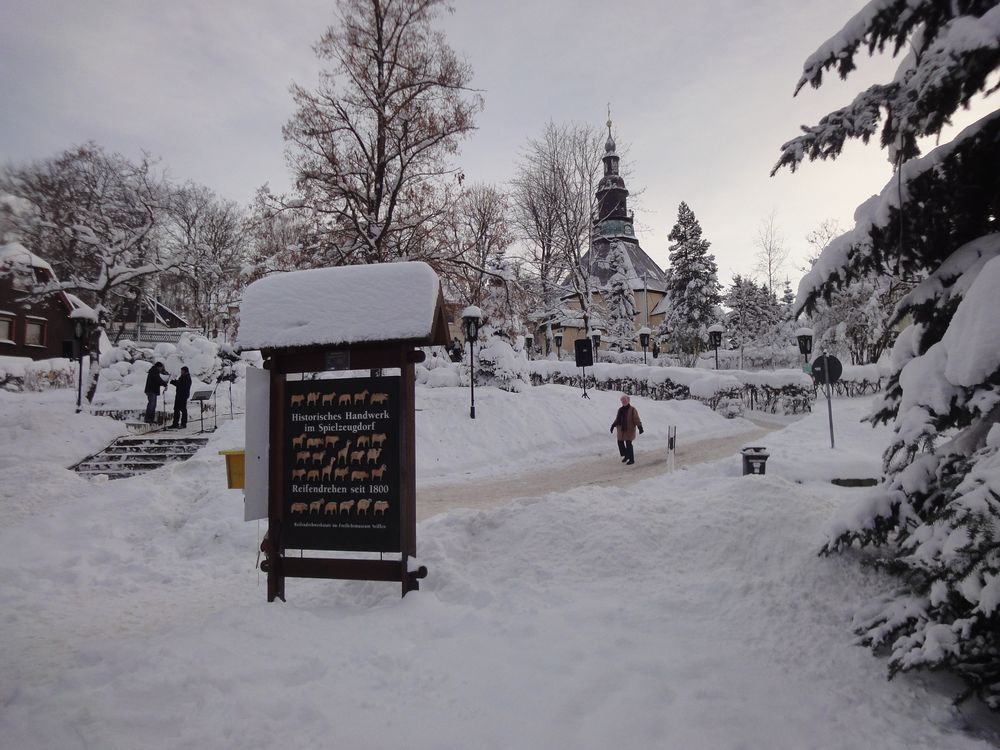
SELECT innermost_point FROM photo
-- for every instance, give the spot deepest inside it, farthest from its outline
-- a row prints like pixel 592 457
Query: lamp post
pixel 558 336
pixel 595 336
pixel 470 321
pixel 714 340
pixel 80 332
pixel 805 338
pixel 644 341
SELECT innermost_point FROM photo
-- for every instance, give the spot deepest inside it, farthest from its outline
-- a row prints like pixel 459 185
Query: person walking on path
pixel 626 422
pixel 183 386
pixel 154 382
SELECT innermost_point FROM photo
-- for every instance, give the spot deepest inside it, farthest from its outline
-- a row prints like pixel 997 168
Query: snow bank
pixel 23 373
pixel 785 391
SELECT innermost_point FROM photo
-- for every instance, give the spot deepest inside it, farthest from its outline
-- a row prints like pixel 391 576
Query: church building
pixel 614 222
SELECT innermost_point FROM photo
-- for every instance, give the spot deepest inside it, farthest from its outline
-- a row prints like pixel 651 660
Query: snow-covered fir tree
pixel 750 313
pixel 619 300
pixel 692 286
pixel 500 360
pixel 787 296
pixel 935 520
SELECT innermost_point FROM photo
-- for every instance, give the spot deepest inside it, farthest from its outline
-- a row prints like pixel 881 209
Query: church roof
pixel 639 264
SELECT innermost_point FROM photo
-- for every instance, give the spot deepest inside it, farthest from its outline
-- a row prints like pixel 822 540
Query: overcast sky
pixel 700 91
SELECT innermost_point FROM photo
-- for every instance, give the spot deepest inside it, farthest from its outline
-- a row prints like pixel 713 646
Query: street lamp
pixel 644 341
pixel 558 336
pixel 714 340
pixel 470 322
pixel 805 337
pixel 81 331
pixel 595 336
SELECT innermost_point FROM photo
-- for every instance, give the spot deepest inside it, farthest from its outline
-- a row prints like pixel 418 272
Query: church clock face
pixel 628 229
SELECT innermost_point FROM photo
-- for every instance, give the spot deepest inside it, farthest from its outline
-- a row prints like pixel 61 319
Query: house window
pixel 34 332
pixel 6 328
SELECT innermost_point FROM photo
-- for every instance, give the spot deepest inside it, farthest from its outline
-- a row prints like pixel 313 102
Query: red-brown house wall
pixel 55 311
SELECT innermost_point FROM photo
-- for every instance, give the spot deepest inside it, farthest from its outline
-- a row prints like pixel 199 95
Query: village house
pixel 33 327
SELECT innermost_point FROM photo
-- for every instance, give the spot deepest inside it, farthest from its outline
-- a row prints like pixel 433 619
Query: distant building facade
pixel 31 327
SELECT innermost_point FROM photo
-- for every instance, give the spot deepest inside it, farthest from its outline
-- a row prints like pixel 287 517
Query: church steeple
pixel 613 217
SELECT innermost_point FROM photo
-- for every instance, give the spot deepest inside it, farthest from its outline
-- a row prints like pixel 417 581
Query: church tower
pixel 613 222
pixel 613 218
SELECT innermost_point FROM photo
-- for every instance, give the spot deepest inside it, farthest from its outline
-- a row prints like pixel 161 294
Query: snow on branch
pixel 854 252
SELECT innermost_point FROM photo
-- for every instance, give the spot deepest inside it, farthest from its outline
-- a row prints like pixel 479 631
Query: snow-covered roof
pixel 15 253
pixel 80 309
pixel 662 307
pixel 638 262
pixel 344 305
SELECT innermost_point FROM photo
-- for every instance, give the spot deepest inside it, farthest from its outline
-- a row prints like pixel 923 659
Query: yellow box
pixel 235 468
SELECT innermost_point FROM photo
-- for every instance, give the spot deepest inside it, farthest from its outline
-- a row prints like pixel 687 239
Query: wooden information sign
pixel 341 470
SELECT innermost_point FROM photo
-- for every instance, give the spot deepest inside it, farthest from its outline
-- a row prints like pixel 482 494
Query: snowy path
pixel 602 471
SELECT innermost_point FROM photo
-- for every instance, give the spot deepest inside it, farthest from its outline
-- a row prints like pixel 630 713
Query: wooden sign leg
pixel 276 464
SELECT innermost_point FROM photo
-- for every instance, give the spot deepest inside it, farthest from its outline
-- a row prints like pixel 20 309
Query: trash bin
pixel 235 468
pixel 754 459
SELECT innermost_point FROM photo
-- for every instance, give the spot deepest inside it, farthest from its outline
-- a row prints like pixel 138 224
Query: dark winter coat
pixel 183 386
pixel 154 381
pixel 627 426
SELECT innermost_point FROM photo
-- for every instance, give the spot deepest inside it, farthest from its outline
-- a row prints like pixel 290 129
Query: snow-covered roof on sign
pixel 16 253
pixel 344 305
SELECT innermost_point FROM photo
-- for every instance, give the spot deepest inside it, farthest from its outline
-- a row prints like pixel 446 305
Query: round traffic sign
pixel 819 369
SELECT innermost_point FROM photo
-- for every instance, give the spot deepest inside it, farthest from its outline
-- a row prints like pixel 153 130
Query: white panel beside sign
pixel 258 429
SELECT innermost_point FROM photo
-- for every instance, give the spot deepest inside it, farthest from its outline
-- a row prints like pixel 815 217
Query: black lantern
pixel 470 321
pixel 595 336
pixel 529 341
pixel 644 333
pixel 805 338
pixel 715 340
pixel 558 336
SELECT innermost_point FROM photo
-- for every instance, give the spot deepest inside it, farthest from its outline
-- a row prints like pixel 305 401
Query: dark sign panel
pixel 342 457
pixel 819 367
pixel 584 352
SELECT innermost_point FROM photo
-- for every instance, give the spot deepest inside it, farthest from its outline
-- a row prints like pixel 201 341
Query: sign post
pixel 584 358
pixel 827 369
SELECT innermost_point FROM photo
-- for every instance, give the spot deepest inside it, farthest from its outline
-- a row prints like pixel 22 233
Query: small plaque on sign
pixel 338 360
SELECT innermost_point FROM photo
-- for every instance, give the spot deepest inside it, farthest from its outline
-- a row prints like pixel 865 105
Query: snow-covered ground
pixel 688 610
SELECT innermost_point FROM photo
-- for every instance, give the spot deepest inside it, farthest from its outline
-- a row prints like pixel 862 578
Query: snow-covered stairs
pixel 136 454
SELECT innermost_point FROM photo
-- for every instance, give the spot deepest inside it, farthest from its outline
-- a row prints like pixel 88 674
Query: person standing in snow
pixel 626 422
pixel 183 386
pixel 154 382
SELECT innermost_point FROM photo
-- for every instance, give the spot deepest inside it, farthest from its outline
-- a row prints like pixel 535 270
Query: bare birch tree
pixel 771 251
pixel 370 145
